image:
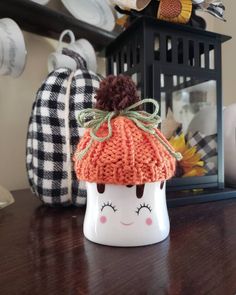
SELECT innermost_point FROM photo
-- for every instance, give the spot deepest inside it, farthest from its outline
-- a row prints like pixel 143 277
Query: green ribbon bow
pixel 94 118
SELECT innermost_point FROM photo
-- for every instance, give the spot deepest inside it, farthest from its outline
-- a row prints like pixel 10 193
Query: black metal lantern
pixel 180 67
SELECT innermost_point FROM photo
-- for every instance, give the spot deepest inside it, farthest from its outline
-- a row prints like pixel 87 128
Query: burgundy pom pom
pixel 116 93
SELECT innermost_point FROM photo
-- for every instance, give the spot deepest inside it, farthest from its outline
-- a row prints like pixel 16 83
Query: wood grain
pixel 43 251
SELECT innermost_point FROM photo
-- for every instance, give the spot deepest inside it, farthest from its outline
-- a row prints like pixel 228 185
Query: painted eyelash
pixel 143 206
pixel 109 204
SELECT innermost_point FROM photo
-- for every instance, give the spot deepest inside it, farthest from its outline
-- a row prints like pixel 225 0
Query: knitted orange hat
pixel 131 155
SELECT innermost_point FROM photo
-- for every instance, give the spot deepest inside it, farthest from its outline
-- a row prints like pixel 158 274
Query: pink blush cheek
pixel 103 219
pixel 149 221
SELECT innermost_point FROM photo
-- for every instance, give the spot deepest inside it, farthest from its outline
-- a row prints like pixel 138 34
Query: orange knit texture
pixel 131 156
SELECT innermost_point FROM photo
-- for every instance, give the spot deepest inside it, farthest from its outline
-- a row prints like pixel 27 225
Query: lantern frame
pixel 149 48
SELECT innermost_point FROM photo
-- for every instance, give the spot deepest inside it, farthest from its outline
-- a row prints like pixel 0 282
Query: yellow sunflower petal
pixel 196 171
pixel 189 153
pixel 178 143
pixel 191 162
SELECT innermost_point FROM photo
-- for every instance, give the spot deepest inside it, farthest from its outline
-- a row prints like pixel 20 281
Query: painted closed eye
pixel 109 204
pixel 143 205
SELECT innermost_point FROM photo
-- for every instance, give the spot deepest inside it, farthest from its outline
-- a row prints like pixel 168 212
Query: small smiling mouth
pixel 126 224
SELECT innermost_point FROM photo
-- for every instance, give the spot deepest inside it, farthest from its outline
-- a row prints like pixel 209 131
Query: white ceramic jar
pixel 123 216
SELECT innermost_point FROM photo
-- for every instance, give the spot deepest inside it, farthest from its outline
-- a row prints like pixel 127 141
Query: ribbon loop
pixel 94 119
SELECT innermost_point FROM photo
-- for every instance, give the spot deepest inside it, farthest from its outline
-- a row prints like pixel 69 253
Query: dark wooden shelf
pixel 43 251
pixel 41 20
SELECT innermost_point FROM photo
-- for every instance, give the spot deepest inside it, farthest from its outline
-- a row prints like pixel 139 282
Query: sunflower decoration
pixel 176 11
pixel 191 163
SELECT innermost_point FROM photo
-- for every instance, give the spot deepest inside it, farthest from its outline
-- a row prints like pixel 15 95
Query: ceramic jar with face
pixel 126 215
pixel 125 168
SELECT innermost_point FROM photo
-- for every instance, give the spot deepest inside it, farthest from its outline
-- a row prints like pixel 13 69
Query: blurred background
pixel 17 95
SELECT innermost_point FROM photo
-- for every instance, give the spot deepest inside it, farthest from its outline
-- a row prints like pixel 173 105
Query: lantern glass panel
pixel 192 103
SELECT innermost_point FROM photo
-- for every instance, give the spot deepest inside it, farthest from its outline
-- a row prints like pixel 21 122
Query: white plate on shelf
pixel 94 12
pixel 12 48
pixel 42 2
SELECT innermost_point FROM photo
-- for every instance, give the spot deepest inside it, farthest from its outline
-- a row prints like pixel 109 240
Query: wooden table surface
pixel 43 251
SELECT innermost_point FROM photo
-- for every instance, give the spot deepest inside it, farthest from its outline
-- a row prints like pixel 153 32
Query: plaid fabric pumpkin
pixel 53 134
pixel 207 147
